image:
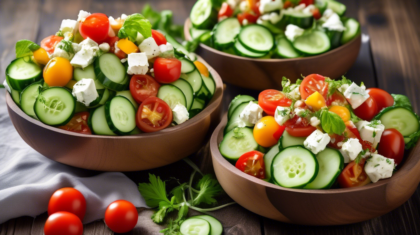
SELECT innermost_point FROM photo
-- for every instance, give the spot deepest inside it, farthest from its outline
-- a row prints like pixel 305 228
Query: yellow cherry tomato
pixel 58 72
pixel 116 25
pixel 341 111
pixel 267 131
pixel 41 56
pixel 316 101
pixel 202 68
pixel 127 46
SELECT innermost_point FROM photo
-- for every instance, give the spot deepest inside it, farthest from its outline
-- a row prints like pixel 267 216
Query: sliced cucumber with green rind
pixel 298 18
pixel 187 66
pixel 285 49
pixel 337 7
pixel 195 226
pixel 28 98
pixel 331 163
pixel 312 43
pixel 242 51
pixel 98 122
pixel 256 38
pixel 14 93
pixel 120 115
pixel 204 93
pixel 88 72
pixel 335 38
pixel 111 72
pixel 351 31
pixel 235 121
pixel 197 33
pixel 195 80
pixel 198 104
pixel 225 32
pixel 203 15
pixel 172 95
pixel 194 112
pixel 22 72
pixel 286 140
pixel 127 94
pixel 268 160
pixel 237 142
pixel 239 99
pixel 215 225
pixel 186 88
pixel 400 118
pixel 210 84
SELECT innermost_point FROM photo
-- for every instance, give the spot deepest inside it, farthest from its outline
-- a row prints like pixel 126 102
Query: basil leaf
pixel 153 16
pixel 135 23
pixel 402 101
pixel 25 48
pixel 332 123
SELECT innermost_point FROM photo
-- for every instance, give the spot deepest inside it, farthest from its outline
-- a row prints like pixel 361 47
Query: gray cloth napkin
pixel 28 179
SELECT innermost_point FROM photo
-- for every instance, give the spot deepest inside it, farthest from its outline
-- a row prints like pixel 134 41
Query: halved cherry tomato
pixel 287 4
pixel 63 223
pixel 251 18
pixel 255 7
pixel 167 70
pixel 337 99
pixel 95 27
pixel 78 124
pixel 58 72
pixel 392 145
pixel 158 37
pixel 368 110
pixel 316 13
pixel 270 99
pixel 307 2
pixel 69 200
pixel 312 83
pixel 121 216
pixel 111 41
pixel 225 10
pixel 143 87
pixel 299 127
pixel 153 115
pixel 50 42
pixel 353 175
pixel 382 98
pixel 252 163
pixel 267 131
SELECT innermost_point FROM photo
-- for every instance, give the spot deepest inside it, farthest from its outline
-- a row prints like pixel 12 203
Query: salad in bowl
pixel 105 76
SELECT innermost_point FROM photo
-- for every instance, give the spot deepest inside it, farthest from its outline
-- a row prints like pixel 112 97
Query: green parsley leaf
pixel 332 123
pixel 25 48
pixel 388 161
pixel 182 213
pixel 178 192
pixel 376 165
pixel 66 46
pixel 164 208
pixel 333 85
pixel 402 101
pixel 59 34
pixel 135 23
pixel 298 81
pixel 153 192
pixel 172 229
pixel 152 15
pixel 208 187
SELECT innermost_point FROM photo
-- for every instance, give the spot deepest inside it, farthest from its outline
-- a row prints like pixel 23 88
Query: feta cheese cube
pixel 104 47
pixel 76 47
pixel 309 9
pixel 86 55
pixel 251 114
pixel 180 114
pixel 281 115
pixel 317 141
pixel 327 14
pixel 123 16
pixel 90 44
pixel 60 52
pixel 379 167
pixel 295 92
pixel 82 15
pixel 68 26
pixel 85 91
pixel 343 88
pixel 6 85
pixel 137 63
pixel 112 20
pixel 351 149
pixel 355 95
pixel 315 121
pixel 166 47
pixel 293 31
pixel 371 131
pixel 300 112
pixel 334 23
pixel 150 47
pixel 270 5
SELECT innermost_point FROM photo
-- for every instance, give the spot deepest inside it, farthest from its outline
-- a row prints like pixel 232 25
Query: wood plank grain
pixel 23 225
pixel 38 224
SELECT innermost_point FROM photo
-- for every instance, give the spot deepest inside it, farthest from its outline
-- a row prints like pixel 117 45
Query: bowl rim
pixel 187 26
pixel 216 155
pixel 212 105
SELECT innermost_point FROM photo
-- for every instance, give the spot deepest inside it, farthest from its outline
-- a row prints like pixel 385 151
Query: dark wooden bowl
pixel 261 74
pixel 315 207
pixel 119 153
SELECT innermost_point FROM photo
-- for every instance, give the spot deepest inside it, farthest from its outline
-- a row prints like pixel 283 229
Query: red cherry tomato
pixel 252 163
pixel 153 115
pixel 78 124
pixel 111 41
pixel 307 2
pixel 68 199
pixel 50 42
pixel 225 10
pixel 313 83
pixel 287 4
pixel 95 27
pixel 270 99
pixel 121 216
pixel 392 145
pixel 167 70
pixel 299 127
pixel 143 87
pixel 337 99
pixel 368 110
pixel 316 13
pixel 382 98
pixel 353 175
pixel 63 223
pixel 251 18
pixel 158 37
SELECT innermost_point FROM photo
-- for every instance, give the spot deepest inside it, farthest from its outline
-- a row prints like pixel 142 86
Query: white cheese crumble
pixel 166 47
pixel 315 121
pixel 180 114
pixel 317 141
pixel 85 91
pixel 82 15
pixel 371 131
pixel 85 56
pixel 251 114
pixel 355 95
pixel 379 167
pixel 334 23
pixel 150 47
pixel 104 47
pixel 350 149
pixel 137 63
pixel 309 9
pixel 281 115
pixel 293 31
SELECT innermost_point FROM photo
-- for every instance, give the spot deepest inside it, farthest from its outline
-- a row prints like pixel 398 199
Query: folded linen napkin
pixel 28 179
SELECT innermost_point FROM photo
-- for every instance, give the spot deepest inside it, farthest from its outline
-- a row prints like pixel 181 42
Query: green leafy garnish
pixel 59 34
pixel 376 165
pixel 152 15
pixel 359 157
pixel 353 117
pixel 135 23
pixel 154 192
pixel 333 85
pixel 209 188
pixel 402 101
pixel 66 46
pixel 332 123
pixel 25 48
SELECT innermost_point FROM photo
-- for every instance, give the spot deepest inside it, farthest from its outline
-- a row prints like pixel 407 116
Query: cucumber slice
pixel 204 93
pixel 187 66
pixel 285 49
pixel 237 142
pixel 256 38
pixel 235 120
pixel 312 43
pixel 80 108
pixel 242 51
pixel 286 140
pixel 186 88
pixel 294 167
pixel 22 72
pixel 98 122
pixel 298 18
pixel 210 84
pixel 28 98
pixel 88 72
pixel 195 80
pixel 127 94
pixel 198 104
pixel 335 38
pixel 337 7
pixel 268 160
pixel 172 95
pixel 215 225
pixel 120 115
pixel 197 33
pixel 14 93
pixel 331 163
pixel 195 226
pixel 321 5
pixel 225 32
pixel 111 72
pixel 194 112
pixel 55 106
pixel 203 15
pixel 239 99
pixel 351 31
pixel 399 118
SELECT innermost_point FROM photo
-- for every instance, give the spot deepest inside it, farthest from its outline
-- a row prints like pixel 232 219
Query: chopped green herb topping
pixel 66 46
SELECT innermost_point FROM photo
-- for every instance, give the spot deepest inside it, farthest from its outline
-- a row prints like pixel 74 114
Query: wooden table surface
pixel 389 59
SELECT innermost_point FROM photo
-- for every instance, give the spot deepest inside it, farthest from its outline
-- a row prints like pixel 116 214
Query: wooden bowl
pixel 119 153
pixel 261 74
pixel 315 207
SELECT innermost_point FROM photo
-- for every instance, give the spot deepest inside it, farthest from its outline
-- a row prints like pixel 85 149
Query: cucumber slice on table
pixel 195 226
pixel 242 51
pixel 256 38
pixel 127 94
pixel 111 72
pixel 298 18
pixel 187 66
pixel 268 160
pixel 399 118
pixel 203 15
pixel 215 225
pixel 172 95
pixel 55 106
pixel 285 49
pixel 225 32
pixel 312 43
pixel 186 88
pixel 98 123
pixel 28 98
pixel 331 163
pixel 294 167
pixel 239 99
pixel 237 142
pixel 22 72
pixel 351 31
pixel 286 140
pixel 195 80
pixel 120 115
pixel 88 72
pixel 235 121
